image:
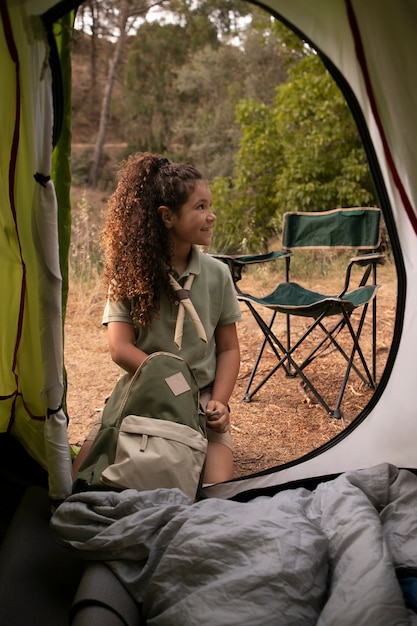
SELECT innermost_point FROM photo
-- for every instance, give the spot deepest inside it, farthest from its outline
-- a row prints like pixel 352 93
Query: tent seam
pixel 360 54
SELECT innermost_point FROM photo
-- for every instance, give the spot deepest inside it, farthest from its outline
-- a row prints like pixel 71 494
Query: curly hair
pixel 136 244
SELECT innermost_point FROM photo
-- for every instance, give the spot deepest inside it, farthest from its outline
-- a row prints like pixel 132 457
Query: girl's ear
pixel 166 216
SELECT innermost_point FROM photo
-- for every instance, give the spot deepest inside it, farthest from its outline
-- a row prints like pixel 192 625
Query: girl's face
pixel 195 222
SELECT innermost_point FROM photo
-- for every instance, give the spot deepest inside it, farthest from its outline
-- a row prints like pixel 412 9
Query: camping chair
pixel 340 229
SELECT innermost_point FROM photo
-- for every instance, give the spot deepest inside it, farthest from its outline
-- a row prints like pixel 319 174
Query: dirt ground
pixel 282 422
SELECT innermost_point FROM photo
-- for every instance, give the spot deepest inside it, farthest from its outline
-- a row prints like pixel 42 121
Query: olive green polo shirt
pixel 214 298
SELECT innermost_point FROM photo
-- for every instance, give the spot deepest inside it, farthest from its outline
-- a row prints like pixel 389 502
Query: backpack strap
pixel 185 304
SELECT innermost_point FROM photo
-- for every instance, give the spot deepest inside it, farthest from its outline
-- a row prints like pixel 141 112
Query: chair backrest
pixel 358 227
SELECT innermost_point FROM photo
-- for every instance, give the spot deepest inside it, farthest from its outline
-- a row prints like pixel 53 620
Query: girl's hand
pixel 218 417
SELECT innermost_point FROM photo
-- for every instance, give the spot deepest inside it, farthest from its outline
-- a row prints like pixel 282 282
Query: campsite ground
pixel 282 422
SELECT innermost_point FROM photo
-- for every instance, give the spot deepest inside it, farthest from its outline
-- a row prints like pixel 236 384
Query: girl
pixel 158 215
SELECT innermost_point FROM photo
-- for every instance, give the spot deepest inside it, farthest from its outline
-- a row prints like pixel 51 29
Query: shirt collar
pixel 194 264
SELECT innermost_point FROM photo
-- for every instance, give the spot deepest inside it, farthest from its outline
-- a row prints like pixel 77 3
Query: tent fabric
pixel 31 365
pixel 370 48
pixel 38 578
pixel 21 380
pixel 357 39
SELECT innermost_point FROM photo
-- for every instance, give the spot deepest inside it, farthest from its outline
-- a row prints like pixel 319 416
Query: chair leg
pixel 260 353
pixel 285 358
pixel 292 368
pixel 365 379
pixel 368 378
pixel 268 335
pixel 370 381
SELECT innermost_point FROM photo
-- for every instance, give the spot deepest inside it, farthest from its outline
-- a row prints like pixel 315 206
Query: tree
pixel 209 87
pixel 116 19
pixel 152 104
pixel 325 163
pixel 249 206
pixel 303 153
pixel 125 15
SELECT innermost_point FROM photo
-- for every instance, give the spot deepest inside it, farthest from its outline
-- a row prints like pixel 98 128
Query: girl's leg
pixel 219 463
pixel 219 460
pixel 85 449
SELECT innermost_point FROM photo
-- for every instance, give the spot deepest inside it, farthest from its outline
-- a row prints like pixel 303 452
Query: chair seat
pixel 292 298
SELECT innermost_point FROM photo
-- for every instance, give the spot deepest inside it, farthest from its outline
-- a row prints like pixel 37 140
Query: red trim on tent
pixel 360 53
pixel 8 32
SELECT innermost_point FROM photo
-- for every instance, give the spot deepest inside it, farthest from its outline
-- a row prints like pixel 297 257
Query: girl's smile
pixel 194 224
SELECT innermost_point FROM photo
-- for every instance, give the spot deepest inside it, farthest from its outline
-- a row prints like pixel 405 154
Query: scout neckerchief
pixel 185 304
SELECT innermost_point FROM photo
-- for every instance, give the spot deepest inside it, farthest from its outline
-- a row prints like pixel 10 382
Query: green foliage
pixel 259 115
pixel 206 134
pixel 227 233
pixel 184 82
pixel 292 48
pixel 153 59
pixel 301 154
pixel 324 165
pixel 223 14
pixel 251 196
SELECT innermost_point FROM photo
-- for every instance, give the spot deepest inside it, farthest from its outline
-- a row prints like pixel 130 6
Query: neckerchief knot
pixel 185 304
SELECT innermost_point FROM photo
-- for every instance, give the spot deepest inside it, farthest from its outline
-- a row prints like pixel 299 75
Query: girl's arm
pixel 123 351
pixel 227 369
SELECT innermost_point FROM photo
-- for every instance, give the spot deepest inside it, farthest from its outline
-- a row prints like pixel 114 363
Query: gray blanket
pixel 325 557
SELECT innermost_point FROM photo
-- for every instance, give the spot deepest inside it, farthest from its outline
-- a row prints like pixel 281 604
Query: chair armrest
pixel 234 266
pixel 367 259
pixel 248 259
pixel 263 258
pixel 370 259
pixel 236 262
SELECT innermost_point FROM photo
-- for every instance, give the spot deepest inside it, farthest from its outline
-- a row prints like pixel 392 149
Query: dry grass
pixel 281 423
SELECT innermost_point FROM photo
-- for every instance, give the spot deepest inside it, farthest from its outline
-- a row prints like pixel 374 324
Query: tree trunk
pixel 105 104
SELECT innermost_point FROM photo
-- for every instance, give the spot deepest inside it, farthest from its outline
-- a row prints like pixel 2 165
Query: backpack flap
pixel 153 453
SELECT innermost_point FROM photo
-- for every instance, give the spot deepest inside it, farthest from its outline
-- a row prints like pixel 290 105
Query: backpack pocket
pixel 153 453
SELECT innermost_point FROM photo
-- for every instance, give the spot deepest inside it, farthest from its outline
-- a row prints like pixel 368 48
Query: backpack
pixel 152 432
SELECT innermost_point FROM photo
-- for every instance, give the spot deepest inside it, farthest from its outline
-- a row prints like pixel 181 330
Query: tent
pixel 34 234
pixel 354 40
pixel 369 47
pixel 377 80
